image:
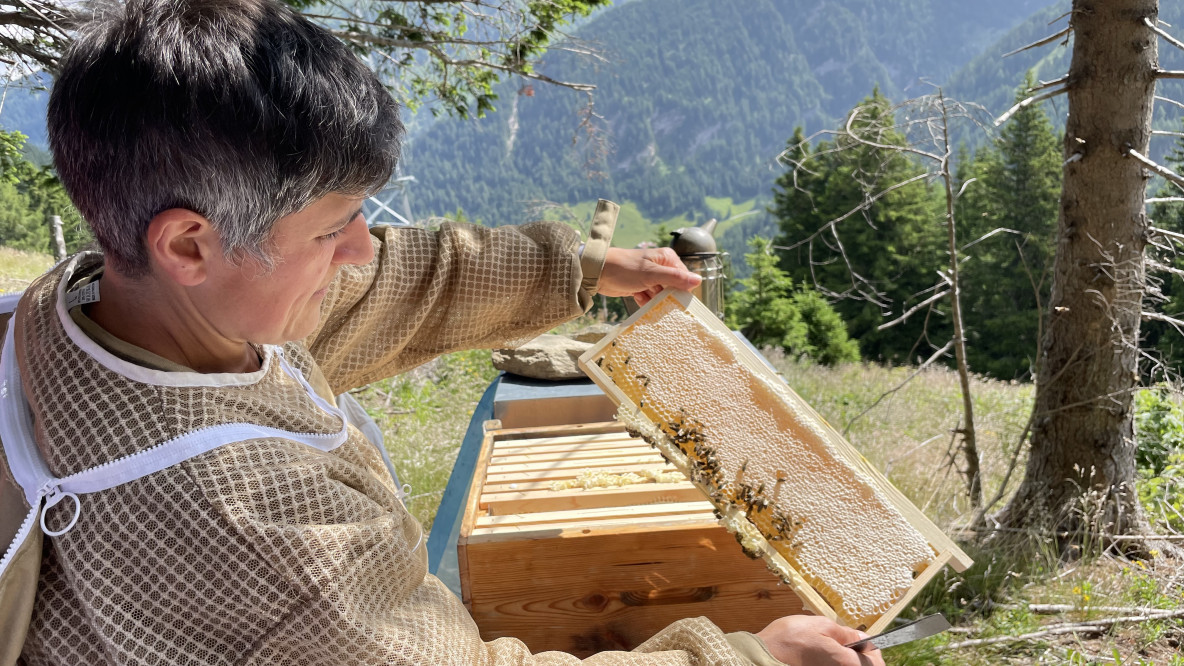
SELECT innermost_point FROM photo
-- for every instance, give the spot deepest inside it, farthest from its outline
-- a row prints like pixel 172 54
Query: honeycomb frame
pixel 753 509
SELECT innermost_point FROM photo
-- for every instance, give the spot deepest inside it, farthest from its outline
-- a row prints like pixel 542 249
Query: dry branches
pixel 882 139
pixel 1157 168
pixel 1029 100
pixel 1041 42
pixel 1159 31
pixel 1087 626
pixel 33 33
pixel 1042 85
pixel 913 310
pixel 1169 101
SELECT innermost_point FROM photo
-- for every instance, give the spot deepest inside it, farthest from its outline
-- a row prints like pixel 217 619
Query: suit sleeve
pixel 427 293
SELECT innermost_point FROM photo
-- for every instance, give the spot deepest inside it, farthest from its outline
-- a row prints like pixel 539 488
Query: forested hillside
pixel 696 99
pixel 990 79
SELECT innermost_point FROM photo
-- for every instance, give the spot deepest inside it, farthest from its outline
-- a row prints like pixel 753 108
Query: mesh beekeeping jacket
pixel 268 551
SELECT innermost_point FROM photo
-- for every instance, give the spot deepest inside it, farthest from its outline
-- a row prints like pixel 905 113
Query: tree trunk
pixel 1083 433
pixel 59 240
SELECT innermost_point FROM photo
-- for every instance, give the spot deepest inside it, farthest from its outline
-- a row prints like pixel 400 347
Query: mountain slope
pixel 990 79
pixel 697 98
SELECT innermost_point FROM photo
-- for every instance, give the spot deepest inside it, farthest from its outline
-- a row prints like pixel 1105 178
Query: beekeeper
pixel 178 485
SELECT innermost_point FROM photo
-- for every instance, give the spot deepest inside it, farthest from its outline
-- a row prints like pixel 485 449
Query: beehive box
pixel 790 487
pixel 585 570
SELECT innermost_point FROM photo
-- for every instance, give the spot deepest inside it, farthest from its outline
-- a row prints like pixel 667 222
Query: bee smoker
pixel 695 246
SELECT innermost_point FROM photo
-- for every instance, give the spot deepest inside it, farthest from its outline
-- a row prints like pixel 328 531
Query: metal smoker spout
pixel 697 249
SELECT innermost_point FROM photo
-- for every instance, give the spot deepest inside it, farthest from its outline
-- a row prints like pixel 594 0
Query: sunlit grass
pixel 18 269
pixel 423 415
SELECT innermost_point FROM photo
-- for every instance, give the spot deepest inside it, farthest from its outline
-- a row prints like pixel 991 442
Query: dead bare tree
pixel 925 124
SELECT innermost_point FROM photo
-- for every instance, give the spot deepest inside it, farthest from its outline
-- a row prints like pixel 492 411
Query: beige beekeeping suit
pixel 270 551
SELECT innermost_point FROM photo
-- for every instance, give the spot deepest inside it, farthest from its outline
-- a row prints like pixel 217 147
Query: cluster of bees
pixel 759 508
pixel 705 471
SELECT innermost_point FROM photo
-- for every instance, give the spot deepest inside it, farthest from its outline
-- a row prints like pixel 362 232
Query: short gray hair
pixel 240 110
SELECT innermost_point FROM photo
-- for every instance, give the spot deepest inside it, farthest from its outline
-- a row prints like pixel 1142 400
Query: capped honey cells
pixel 765 462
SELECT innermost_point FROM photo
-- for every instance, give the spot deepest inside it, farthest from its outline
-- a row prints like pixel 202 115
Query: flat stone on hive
pixel 545 357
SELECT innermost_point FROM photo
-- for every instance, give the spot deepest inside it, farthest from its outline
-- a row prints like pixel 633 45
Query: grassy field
pixel 905 431
pixel 17 269
pixel 423 415
pixel 904 428
pixel 907 435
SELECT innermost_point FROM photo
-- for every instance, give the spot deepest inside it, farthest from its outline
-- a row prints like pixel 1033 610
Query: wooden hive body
pixel 589 570
pixel 793 490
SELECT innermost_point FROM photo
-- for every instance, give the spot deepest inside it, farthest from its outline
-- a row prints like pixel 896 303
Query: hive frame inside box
pixel 600 569
pixel 945 550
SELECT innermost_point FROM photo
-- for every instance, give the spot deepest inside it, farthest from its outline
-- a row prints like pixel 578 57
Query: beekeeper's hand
pixel 643 273
pixel 808 640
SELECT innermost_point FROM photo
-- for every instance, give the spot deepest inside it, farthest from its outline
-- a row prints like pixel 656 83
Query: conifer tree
pixel 1007 277
pixel 29 195
pixel 1167 292
pixel 771 312
pixel 1079 480
pixel 877 262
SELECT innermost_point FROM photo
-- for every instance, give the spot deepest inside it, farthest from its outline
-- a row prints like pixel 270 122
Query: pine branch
pixel 442 57
pixel 1041 42
pixel 992 232
pixel 1171 321
pixel 1169 74
pixel 1060 17
pixel 1164 232
pixel 1049 84
pixel 26 50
